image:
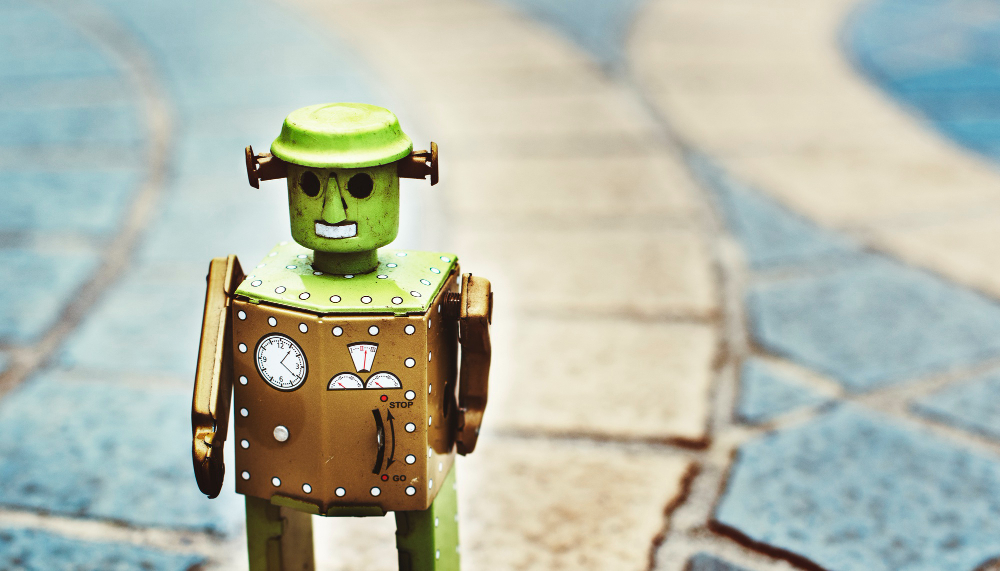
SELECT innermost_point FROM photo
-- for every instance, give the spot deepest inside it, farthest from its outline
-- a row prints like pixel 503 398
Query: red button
pixel 384 398
pixel 385 477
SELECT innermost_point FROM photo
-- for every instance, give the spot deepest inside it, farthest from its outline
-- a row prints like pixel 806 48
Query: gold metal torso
pixel 331 456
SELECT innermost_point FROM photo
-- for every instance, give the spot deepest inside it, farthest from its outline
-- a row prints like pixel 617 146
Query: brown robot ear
pixel 419 164
pixel 264 167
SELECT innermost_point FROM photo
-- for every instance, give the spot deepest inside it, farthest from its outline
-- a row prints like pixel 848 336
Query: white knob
pixel 280 433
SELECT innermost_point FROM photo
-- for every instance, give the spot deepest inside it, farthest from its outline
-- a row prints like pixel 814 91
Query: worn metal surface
pixel 213 384
pixel 341 445
pixel 404 282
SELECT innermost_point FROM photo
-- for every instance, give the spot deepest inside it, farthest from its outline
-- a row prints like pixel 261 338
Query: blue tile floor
pixel 102 431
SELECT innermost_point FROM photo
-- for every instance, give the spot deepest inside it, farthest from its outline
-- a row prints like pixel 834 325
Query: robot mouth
pixel 345 229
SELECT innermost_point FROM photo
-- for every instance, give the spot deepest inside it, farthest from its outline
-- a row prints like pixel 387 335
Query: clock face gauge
pixel 281 362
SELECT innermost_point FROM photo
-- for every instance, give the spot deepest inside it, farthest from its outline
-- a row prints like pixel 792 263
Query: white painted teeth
pixel 336 231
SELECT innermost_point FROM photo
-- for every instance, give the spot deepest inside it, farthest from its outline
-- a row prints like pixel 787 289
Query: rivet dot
pixel 243 348
pixel 409 329
pixel 373 330
pixel 348 276
pixel 256 283
pixel 290 267
pixel 242 315
pixel 430 420
pixel 410 362
pixel 279 289
pixel 445 259
pixel 243 380
pixel 307 488
pixel 302 256
pixel 272 321
pixel 303 328
pixel 397 300
pixel 244 412
pixel 366 299
pixel 401 254
pixel 390 265
pixel 376 491
pixel 410 490
pixel 317 273
pixel 410 395
pixel 245 475
pixel 381 276
pixel 335 298
pixel 245 444
pixel 415 293
pixel 337 331
pixel 410 427
pixel 341 492
pixel 276 481
pixel 425 282
pixel 435 271
pixel 304 295
pixel 429 355
pixel 411 459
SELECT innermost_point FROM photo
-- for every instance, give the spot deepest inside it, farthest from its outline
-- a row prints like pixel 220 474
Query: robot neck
pixel 340 263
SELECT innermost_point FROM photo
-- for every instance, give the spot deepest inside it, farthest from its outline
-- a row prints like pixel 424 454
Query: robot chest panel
pixel 331 408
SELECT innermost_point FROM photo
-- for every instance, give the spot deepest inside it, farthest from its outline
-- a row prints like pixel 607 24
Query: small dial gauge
pixel 345 381
pixel 383 380
pixel 281 362
pixel 363 355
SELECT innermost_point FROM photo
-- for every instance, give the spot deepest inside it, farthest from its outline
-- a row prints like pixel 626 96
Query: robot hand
pixel 213 384
pixel 475 313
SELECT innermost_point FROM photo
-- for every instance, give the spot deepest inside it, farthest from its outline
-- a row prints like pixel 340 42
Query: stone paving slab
pixel 632 272
pixel 706 562
pixel 92 202
pixel 86 447
pixel 782 108
pixel 766 393
pixel 45 283
pixel 556 506
pixel 852 490
pixel 971 405
pixel 875 324
pixel 31 550
pixel 610 378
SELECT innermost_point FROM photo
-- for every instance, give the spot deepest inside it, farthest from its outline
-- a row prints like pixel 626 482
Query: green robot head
pixel 342 165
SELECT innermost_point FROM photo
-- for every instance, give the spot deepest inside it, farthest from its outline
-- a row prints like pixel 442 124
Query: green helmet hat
pixel 341 135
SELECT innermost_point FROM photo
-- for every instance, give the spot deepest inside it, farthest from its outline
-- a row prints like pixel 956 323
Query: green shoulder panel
pixel 405 282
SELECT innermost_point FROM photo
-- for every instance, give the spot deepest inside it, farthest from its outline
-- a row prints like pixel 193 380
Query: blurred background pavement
pixel 744 254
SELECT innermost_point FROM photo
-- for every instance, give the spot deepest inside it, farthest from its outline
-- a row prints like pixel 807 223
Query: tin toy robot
pixel 341 359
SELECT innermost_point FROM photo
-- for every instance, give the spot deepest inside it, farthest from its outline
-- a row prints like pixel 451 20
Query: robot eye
pixel 309 183
pixel 360 185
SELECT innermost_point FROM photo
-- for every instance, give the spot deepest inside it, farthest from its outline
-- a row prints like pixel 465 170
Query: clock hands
pixel 283 362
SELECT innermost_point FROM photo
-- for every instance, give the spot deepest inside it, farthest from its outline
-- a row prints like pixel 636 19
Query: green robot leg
pixel 428 540
pixel 278 538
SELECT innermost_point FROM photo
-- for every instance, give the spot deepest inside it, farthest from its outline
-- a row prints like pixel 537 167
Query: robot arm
pixel 213 382
pixel 474 316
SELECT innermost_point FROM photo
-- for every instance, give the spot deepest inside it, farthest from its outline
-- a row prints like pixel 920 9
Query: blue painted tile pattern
pixel 598 26
pixel 33 550
pixel 852 491
pixel 874 324
pixel 939 58
pixel 972 405
pixel 39 287
pixel 706 562
pixel 98 449
pixel 766 393
pixel 91 202
pixel 89 439
pixel 772 236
